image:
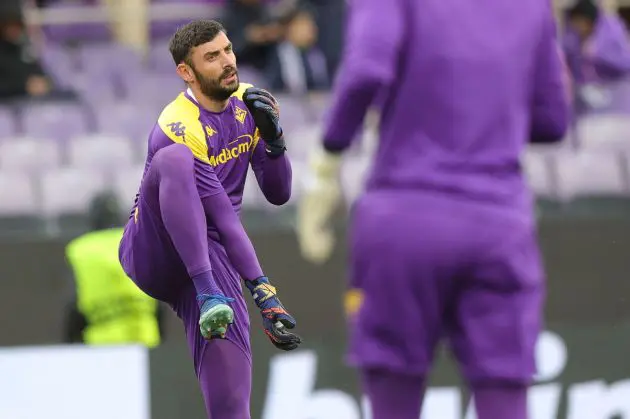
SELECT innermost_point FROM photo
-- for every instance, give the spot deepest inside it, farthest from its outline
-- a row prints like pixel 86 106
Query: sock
pixel 393 395
pixel 501 401
pixel 183 216
pixel 205 284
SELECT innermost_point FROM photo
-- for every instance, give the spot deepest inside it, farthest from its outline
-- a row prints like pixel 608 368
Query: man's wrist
pixel 275 148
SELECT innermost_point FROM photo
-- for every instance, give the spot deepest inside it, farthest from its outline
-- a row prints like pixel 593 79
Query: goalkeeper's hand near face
pixel 266 113
pixel 277 322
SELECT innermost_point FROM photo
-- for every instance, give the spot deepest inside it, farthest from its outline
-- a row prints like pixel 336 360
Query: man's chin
pixel 233 86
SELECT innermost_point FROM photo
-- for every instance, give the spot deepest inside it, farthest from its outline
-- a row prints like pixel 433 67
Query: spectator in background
pixel 330 14
pixel 598 54
pixel 108 308
pixel 253 30
pixel 21 74
pixel 297 64
pixel 595 43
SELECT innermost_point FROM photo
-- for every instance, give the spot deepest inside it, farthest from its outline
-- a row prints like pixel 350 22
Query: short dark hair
pixel 191 35
pixel 584 8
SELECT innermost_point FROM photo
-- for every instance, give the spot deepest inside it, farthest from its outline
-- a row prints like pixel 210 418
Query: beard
pixel 213 89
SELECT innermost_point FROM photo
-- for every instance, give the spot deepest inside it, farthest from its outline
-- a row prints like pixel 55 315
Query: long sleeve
pixel 550 107
pixel 239 248
pixel 611 45
pixel 216 203
pixel 274 175
pixel 369 64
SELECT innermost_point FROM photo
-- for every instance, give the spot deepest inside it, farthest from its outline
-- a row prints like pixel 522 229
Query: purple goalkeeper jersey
pixel 224 145
pixel 465 85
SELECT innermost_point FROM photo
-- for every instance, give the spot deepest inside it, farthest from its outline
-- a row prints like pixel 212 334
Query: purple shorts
pixel 432 267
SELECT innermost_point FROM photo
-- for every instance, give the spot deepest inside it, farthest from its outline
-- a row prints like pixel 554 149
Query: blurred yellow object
pixel 353 301
pixel 322 196
pixel 116 310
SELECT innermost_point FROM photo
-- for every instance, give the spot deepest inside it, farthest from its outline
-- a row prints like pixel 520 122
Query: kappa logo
pixel 210 131
pixel 177 128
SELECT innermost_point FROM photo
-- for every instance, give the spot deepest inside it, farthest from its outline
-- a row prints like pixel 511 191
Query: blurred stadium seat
pixel 104 153
pixel 19 206
pixel 589 173
pixel 8 122
pixel 66 196
pixel 60 121
pixel 29 155
pixel 127 183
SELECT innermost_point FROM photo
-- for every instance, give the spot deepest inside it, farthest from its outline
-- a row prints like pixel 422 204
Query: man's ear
pixel 185 72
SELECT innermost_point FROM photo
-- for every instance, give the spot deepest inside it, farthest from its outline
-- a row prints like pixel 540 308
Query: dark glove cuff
pixel 275 148
pixel 252 284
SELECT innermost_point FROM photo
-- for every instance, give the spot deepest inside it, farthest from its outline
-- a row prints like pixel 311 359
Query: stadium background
pixel 112 74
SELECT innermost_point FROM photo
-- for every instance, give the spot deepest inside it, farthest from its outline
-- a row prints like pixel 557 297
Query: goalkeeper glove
pixel 266 113
pixel 321 197
pixel 276 320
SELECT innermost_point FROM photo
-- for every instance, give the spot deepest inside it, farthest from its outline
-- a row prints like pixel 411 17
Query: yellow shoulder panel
pixel 180 122
pixel 241 89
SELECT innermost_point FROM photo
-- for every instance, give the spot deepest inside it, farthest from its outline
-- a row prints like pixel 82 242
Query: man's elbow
pixel 551 128
pixel 280 196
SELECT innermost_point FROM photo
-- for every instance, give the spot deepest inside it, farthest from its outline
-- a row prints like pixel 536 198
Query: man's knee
pixel 174 161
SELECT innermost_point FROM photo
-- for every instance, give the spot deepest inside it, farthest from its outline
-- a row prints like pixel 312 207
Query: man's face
pixel 582 25
pixel 214 68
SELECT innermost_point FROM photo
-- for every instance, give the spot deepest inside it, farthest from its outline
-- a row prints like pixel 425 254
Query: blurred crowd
pixel 111 58
pixel 279 40
pixel 295 45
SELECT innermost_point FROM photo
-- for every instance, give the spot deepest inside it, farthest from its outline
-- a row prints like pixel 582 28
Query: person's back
pixel 466 86
pixel 443 242
pixel 116 311
pixel 462 119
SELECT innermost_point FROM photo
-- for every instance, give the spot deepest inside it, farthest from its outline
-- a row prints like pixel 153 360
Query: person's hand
pixel 277 322
pixel 37 86
pixel 320 200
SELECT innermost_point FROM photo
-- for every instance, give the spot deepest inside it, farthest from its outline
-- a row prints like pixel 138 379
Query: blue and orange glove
pixel 276 320
pixel 266 113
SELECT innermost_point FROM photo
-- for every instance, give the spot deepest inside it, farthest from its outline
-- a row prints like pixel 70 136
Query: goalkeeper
pixel 184 243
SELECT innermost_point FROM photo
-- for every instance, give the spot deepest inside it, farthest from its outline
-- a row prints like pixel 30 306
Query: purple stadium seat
pixel 604 131
pixel 29 155
pixel 8 125
pixel 18 194
pixel 151 89
pixel 293 112
pixel 72 32
pixel 318 104
pixel 590 173
pixel 59 63
pixel 302 139
pixel 109 59
pixel 252 196
pixel 60 121
pixel 100 152
pixel 164 29
pixel 160 60
pixel 94 89
pixel 127 120
pixel 69 190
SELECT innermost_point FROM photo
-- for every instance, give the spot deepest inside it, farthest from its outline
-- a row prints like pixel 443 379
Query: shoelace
pixel 221 298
